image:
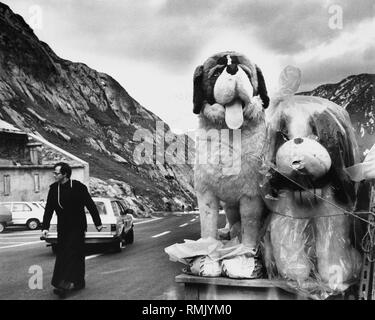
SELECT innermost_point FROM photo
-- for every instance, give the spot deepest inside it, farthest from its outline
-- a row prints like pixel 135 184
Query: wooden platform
pixel 221 288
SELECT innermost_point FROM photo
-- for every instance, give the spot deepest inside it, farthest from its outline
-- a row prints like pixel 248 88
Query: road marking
pixel 160 234
pixel 22 244
pixel 183 225
pixel 16 234
pixel 17 238
pixel 170 294
pixel 192 220
pixel 93 256
pixel 147 221
pixel 115 271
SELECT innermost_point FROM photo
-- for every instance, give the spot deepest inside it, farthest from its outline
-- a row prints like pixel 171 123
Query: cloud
pixel 356 11
pixel 152 46
pixel 335 69
pixel 197 9
pixel 353 52
pixel 160 32
pixel 369 56
pixel 170 32
pixel 293 26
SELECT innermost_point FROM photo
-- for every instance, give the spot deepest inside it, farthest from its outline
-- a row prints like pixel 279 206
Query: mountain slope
pixel 85 112
pixel 356 94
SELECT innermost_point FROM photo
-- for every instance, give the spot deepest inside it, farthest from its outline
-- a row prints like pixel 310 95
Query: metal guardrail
pixel 367 281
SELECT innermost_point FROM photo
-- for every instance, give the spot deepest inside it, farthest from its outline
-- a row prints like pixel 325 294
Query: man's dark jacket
pixel 72 215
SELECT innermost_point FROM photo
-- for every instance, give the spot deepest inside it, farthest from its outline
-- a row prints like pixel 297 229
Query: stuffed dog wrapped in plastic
pixel 308 191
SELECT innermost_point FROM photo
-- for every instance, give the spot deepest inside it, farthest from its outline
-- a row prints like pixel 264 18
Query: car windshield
pixel 42 204
pixel 6 205
pixel 100 206
pixel 35 205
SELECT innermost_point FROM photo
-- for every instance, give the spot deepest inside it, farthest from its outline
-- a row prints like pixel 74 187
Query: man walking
pixel 68 198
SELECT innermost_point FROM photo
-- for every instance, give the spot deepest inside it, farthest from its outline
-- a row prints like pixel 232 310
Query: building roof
pixel 9 128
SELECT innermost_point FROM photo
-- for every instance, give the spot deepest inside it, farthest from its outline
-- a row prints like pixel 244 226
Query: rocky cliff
pixel 90 115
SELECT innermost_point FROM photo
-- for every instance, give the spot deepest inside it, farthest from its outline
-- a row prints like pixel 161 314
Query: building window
pixel 36 182
pixel 6 185
pixel 34 156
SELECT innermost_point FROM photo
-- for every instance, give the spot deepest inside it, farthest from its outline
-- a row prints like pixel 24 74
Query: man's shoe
pixel 79 286
pixel 61 293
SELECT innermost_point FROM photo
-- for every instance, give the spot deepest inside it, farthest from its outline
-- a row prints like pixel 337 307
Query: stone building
pixel 26 165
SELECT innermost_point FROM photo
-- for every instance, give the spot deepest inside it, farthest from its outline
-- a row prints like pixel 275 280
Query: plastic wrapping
pixel 316 255
pixel 308 239
pixel 209 257
pixel 364 170
pixel 204 266
pixel 242 267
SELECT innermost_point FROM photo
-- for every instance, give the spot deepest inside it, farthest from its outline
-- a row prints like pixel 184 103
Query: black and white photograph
pixel 193 151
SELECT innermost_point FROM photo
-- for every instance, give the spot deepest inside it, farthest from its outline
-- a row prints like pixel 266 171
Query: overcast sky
pixel 153 46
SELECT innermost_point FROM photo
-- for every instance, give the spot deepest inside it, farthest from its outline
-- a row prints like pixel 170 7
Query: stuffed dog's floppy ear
pixel 198 94
pixel 262 90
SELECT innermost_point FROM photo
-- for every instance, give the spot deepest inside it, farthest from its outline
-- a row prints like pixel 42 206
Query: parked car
pixel 117 224
pixel 29 214
pixel 5 217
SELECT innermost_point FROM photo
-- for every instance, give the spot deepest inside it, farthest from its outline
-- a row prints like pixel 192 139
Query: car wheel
pixel 2 227
pixel 32 224
pixel 129 237
pixel 54 248
pixel 116 246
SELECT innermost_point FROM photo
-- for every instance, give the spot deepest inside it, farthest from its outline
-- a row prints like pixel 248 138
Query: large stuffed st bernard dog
pixel 230 97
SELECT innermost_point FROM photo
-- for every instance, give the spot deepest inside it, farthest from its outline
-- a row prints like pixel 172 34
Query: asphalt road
pixel 141 271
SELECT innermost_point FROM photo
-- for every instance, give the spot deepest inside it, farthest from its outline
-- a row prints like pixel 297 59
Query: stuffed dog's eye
pixel 217 72
pixel 235 60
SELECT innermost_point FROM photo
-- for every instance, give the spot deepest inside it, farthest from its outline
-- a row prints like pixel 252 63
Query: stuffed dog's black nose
pixel 232 69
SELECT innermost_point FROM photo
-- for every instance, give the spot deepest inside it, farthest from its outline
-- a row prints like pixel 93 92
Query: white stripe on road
pixel 22 244
pixel 183 225
pixel 93 256
pixel 9 242
pixel 17 238
pixel 160 234
pixel 192 220
pixel 147 221
pixel 115 271
pixel 16 234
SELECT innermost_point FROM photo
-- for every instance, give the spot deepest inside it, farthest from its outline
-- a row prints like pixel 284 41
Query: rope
pixel 367 244
pixel 307 218
pixel 370 223
pixel 331 203
pixel 368 240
